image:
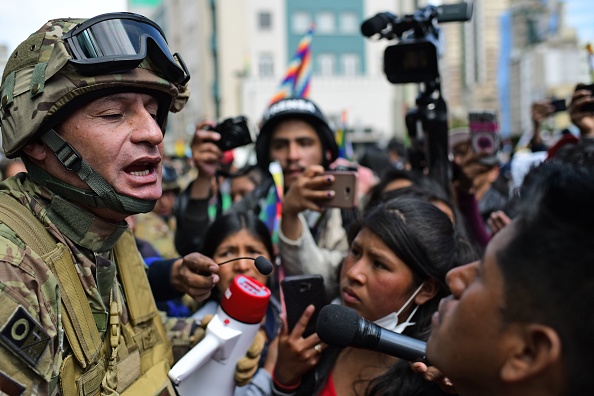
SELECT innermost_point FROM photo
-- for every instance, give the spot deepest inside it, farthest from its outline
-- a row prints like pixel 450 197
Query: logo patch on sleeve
pixel 24 336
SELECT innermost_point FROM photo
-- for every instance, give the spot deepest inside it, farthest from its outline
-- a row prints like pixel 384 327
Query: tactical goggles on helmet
pixel 119 42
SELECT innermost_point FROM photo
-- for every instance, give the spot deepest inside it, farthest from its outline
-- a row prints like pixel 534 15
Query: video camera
pixel 414 59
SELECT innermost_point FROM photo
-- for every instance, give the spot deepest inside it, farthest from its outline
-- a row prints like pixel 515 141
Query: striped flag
pixel 345 148
pixel 274 201
pixel 296 83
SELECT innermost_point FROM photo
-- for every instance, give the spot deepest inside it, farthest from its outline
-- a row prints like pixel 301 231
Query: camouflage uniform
pixel 158 232
pixel 92 329
pixel 26 282
pixel 77 316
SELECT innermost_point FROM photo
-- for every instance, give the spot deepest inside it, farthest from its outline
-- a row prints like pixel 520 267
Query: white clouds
pixel 20 18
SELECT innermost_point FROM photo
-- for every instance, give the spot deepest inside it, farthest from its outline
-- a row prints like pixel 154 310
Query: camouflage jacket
pixel 32 343
pixel 158 232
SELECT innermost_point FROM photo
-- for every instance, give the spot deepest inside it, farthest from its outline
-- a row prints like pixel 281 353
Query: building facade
pixel 238 52
pixel 543 59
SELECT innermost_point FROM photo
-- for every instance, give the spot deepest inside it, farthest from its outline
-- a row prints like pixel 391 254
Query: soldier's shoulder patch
pixel 24 336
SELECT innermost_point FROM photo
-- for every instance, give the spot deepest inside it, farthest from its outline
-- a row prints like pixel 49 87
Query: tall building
pixel 238 52
pixel 542 59
pixel 509 54
pixel 470 60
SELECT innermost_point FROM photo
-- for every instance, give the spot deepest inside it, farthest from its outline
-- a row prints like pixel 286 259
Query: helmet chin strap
pixel 102 195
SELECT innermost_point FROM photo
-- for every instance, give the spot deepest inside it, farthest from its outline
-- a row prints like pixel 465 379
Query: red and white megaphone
pixel 209 367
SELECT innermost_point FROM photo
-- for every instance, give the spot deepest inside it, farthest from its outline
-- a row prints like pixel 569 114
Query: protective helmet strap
pixel 102 195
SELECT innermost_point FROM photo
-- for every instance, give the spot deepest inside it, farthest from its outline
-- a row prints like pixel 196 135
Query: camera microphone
pixel 341 326
pixel 376 24
pixel 263 265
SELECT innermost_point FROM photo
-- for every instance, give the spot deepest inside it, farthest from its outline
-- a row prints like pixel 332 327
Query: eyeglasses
pixel 119 42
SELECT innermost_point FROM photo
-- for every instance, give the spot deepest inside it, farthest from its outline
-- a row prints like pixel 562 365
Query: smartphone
pixel 345 189
pixel 558 105
pixel 484 132
pixel 299 291
pixel 588 106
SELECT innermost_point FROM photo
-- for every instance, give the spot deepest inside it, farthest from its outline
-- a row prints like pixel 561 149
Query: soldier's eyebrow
pixel 122 98
pixel 115 97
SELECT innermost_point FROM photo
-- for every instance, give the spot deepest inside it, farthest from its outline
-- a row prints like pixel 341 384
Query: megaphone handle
pixel 194 359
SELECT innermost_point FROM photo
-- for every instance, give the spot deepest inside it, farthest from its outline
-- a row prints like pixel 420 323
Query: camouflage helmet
pixel 42 83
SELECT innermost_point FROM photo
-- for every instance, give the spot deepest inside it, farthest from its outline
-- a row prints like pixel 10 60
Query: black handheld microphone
pixel 263 265
pixel 341 326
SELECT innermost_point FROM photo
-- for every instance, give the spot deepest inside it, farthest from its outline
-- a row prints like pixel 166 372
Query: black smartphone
pixel 345 190
pixel 299 291
pixel 558 105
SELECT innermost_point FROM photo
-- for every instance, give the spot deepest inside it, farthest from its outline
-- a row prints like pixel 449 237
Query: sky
pixel 14 29
pixel 580 14
pixel 20 18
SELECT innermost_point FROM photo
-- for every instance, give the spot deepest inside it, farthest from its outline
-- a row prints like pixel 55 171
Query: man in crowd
pixel 295 133
pixel 516 323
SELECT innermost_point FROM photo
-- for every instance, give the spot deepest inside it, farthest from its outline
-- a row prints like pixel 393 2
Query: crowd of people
pixel 110 267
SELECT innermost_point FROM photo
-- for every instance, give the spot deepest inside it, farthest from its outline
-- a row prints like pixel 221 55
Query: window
pixel 266 65
pixel 349 23
pixel 264 20
pixel 301 22
pixel 350 64
pixel 325 22
pixel 326 64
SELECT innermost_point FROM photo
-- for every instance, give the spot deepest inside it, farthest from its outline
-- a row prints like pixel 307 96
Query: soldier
pixel 84 103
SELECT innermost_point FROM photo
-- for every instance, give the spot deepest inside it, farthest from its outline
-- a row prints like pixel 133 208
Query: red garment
pixel 566 138
pixel 328 389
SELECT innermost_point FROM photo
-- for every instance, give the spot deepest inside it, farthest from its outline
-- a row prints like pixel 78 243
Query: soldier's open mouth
pixel 143 169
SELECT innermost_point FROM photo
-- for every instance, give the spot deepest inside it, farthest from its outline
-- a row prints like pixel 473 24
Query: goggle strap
pixel 74 162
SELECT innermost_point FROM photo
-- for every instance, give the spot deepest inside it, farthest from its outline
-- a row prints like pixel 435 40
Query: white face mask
pixel 390 321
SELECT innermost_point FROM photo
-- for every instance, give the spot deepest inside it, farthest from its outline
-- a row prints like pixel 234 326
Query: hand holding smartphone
pixel 299 291
pixel 558 105
pixel 345 190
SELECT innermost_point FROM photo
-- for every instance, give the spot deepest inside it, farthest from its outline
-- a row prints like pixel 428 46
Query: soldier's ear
pixel 36 150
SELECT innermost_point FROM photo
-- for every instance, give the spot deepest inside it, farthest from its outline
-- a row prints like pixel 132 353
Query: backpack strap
pixel 77 319
pixel 131 267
